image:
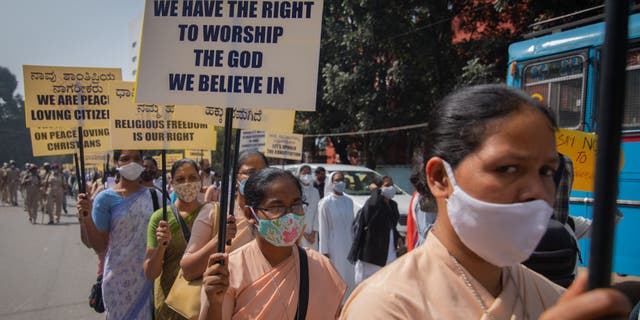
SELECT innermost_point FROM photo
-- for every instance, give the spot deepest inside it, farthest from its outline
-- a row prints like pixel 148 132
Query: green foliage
pixel 11 107
pixel 386 63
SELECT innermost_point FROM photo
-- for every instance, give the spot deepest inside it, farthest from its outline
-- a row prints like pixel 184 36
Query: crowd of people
pixel 42 189
pixel 295 249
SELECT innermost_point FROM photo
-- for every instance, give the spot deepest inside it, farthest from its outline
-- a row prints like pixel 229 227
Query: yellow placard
pixel 95 160
pixel 198 155
pixel 283 146
pixel 67 96
pixel 58 141
pixel 581 148
pixel 171 159
pixel 271 120
pixel 155 127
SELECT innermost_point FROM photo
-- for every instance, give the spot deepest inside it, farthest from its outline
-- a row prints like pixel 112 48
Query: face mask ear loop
pixel 254 214
pixel 449 171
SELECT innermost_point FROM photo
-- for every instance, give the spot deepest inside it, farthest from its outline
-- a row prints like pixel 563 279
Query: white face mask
pixel 306 179
pixel 131 171
pixel 501 234
pixel 388 192
pixel 187 191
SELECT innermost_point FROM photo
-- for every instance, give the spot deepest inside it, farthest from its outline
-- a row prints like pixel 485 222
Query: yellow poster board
pixel 155 127
pixel 96 160
pixel 283 146
pixel 171 159
pixel 67 96
pixel 271 120
pixel 197 155
pixel 59 141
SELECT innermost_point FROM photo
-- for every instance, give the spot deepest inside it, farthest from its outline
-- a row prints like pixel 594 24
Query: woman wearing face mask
pixel 311 196
pixel 490 160
pixel 117 224
pixel 264 276
pixel 335 215
pixel 167 240
pixel 203 243
pixel 378 238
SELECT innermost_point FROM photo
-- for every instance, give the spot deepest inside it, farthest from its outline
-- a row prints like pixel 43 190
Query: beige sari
pixel 426 284
pixel 259 291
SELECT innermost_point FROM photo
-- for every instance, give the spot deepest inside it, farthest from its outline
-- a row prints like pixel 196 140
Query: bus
pixel 562 69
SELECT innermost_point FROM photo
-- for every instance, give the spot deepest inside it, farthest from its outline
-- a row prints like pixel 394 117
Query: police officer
pixel 23 190
pixel 3 182
pixel 31 184
pixel 43 195
pixel 13 181
pixel 54 185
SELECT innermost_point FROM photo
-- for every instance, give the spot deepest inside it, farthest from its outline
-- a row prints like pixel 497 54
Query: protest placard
pixel 198 155
pixel 280 121
pixel 581 148
pixel 244 54
pixel 171 159
pixel 252 140
pixel 155 127
pixel 96 160
pixel 283 146
pixel 67 96
pixel 59 141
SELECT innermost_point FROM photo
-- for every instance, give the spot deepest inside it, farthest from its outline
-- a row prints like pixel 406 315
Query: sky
pixel 78 33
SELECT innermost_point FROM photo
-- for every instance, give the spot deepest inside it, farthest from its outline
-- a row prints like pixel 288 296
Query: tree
pixel 387 63
pixel 382 64
pixel 15 136
pixel 11 106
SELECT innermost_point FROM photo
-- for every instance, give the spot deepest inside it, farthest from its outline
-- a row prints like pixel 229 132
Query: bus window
pixel 631 120
pixel 559 83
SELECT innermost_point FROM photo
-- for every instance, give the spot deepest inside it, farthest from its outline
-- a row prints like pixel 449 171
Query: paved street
pixel 45 271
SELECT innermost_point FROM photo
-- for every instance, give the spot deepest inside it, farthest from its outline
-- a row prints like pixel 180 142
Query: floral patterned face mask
pixel 282 231
pixel 187 191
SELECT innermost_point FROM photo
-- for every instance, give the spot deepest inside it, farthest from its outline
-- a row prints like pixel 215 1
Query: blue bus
pixel 563 70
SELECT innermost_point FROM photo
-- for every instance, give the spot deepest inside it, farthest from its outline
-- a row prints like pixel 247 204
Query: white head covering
pixel 328 183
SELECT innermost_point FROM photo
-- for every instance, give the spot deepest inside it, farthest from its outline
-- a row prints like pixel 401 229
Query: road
pixel 46 272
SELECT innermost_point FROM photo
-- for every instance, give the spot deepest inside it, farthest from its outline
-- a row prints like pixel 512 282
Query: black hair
pixel 181 162
pixel 319 170
pixel 117 153
pixel 256 188
pixel 458 124
pixel 148 157
pixel 304 166
pixel 245 155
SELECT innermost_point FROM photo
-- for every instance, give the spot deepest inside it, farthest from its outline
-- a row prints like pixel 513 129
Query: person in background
pixel 54 186
pixel 489 165
pixel 205 174
pixel 44 174
pixel 13 182
pixel 318 182
pixel 312 198
pixel 202 243
pixel 31 183
pixel 116 224
pixel 335 215
pixel 167 241
pixel 213 191
pixel 149 177
pixel 262 280
pixel 379 238
pixel 23 192
pixel 419 221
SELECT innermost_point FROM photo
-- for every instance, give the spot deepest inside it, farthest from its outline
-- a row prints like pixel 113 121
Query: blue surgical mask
pixel 339 187
pixel 241 186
